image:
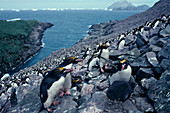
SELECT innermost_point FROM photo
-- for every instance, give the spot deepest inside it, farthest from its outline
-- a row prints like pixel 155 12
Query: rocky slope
pixel 147 53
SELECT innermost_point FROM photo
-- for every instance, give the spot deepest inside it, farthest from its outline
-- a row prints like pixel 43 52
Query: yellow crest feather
pixel 123 61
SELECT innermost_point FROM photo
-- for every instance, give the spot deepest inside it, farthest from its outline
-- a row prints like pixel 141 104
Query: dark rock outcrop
pixel 159 93
pixel 119 90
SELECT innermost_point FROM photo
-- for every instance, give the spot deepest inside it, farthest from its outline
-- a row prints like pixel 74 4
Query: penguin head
pixel 163 15
pixel 63 70
pixel 107 43
pixel 123 64
pixel 77 79
pixel 96 52
pixel 73 60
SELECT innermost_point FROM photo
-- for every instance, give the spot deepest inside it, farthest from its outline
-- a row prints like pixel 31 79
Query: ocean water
pixel 69 26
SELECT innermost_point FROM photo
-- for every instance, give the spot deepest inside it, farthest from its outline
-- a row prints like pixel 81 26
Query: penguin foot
pixel 102 70
pixel 56 102
pixel 67 93
pixel 106 67
pixel 49 110
pixel 61 94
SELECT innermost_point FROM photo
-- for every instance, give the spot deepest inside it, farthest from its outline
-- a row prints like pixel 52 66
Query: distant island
pixel 20 39
pixel 125 5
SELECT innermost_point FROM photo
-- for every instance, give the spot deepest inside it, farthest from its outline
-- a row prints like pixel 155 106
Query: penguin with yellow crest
pixel 51 85
pixel 104 54
pixel 123 73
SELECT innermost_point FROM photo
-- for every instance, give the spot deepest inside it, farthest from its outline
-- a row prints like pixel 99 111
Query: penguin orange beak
pixel 68 70
pixel 79 60
pixel 123 66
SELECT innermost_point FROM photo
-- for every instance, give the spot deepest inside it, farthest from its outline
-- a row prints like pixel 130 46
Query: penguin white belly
pixel 156 24
pixel 125 74
pixel 67 83
pixel 121 45
pixel 68 66
pixel 105 54
pixel 53 91
pixel 121 37
pixel 114 77
pixel 94 62
pixel 142 30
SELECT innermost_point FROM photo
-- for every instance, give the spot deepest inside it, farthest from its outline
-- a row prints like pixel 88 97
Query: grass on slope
pixel 12 35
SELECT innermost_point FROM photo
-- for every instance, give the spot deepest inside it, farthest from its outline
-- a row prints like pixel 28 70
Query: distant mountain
pixel 125 5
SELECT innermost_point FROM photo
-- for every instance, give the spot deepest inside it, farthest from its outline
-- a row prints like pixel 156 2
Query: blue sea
pixel 69 26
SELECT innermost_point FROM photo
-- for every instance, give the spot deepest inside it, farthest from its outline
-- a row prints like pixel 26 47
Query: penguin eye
pixel 41 95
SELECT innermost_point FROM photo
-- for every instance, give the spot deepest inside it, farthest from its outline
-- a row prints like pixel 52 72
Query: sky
pixel 40 4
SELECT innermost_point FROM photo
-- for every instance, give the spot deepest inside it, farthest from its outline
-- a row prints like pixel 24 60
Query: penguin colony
pixel 58 81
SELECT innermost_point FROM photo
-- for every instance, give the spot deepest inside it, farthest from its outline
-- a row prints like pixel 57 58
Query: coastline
pixel 34 46
pixel 110 30
pixel 110 33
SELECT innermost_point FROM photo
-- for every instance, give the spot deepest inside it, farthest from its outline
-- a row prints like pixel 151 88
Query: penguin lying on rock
pixel 123 73
pixel 55 81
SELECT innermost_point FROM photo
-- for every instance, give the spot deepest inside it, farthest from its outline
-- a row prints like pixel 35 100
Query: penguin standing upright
pixel 121 43
pixel 104 54
pixel 155 23
pixel 51 85
pixel 93 61
pixel 124 72
pixel 67 64
pixel 87 52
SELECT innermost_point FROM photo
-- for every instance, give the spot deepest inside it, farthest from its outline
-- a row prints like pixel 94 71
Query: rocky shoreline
pixel 33 46
pixel 148 57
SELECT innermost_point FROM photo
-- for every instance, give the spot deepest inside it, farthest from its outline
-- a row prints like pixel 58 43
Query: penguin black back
pixel 48 80
pixel 103 46
pixel 69 60
pixel 86 53
pixel 120 41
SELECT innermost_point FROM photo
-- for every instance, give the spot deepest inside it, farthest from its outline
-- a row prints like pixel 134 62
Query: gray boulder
pixel 144 73
pixel 141 40
pixel 143 104
pixel 147 82
pixel 67 105
pixel 165 64
pixel 164 53
pixel 159 93
pixel 165 32
pixel 95 105
pixel 154 48
pixel 151 57
pixel 153 40
pixel 87 89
